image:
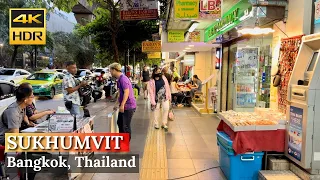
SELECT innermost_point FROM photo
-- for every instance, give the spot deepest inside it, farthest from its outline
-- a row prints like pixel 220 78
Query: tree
pixel 108 29
pixel 69 46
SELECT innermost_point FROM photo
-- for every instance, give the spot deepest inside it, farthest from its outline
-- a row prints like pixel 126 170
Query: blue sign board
pixel 295 132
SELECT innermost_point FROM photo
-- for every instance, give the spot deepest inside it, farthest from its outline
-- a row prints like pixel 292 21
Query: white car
pixel 7 96
pixel 13 75
pixel 97 72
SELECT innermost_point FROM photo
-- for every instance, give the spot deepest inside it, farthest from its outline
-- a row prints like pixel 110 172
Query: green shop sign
pixel 228 21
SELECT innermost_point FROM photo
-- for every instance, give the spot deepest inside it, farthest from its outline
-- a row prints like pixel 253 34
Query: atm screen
pixel 313 61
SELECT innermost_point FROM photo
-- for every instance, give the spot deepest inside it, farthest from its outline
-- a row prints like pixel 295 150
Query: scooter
pixel 97 90
pixel 85 92
pixel 110 90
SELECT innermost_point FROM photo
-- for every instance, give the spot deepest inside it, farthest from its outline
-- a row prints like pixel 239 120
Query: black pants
pixel 124 121
pixel 177 97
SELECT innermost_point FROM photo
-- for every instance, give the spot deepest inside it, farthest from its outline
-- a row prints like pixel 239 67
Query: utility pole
pixel 35 57
pixel 134 61
pixel 128 55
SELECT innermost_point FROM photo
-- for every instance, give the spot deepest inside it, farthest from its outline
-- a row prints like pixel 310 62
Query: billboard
pixel 210 9
pixel 138 9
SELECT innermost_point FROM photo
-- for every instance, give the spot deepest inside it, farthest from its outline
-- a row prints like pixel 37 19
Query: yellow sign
pixel 27 26
pixel 186 9
pixel 154 55
pixel 176 36
pixel 151 46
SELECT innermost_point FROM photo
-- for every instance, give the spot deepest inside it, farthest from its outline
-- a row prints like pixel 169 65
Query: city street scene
pixel 159 89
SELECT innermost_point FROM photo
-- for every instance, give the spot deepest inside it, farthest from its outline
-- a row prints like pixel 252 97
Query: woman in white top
pixel 175 91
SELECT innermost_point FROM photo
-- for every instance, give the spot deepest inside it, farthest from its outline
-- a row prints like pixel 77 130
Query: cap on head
pixel 115 66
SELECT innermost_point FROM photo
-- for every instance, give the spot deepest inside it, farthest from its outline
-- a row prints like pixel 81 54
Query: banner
pixel 138 9
pixel 154 55
pixel 151 46
pixel 194 36
pixel 176 36
pixel 317 12
pixel 210 9
pixel 186 9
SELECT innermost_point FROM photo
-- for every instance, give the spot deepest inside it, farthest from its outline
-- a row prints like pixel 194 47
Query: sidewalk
pixel 188 147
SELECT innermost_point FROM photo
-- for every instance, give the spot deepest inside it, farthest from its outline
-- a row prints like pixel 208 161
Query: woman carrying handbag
pixel 160 97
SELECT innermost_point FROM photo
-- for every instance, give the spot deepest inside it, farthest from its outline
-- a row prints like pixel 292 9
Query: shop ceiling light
pixel 188 48
pixel 256 31
pixel 191 45
pixel 193 26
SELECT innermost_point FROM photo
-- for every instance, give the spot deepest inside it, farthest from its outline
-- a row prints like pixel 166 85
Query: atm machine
pixel 303 111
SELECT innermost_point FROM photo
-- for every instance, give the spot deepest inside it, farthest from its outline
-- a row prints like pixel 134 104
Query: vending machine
pixel 303 111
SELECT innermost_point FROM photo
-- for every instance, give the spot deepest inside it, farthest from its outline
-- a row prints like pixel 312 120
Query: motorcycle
pixel 97 90
pixel 85 91
pixel 110 89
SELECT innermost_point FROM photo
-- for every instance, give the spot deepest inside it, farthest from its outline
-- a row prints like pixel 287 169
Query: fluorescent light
pixel 188 48
pixel 256 31
pixel 184 50
pixel 191 45
pixel 193 26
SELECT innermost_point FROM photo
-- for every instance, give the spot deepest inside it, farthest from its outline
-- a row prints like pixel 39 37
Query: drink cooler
pixel 237 167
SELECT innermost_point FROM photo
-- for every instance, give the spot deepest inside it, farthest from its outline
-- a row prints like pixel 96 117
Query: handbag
pixel 277 78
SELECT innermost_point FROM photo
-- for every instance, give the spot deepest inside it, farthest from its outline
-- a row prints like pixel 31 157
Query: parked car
pixel 45 83
pixel 7 96
pixel 64 71
pixel 13 75
pixel 97 71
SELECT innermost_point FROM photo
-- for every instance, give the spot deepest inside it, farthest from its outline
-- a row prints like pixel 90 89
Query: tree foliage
pixel 69 46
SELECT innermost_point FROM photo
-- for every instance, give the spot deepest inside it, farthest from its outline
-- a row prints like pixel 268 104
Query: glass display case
pixel 246 73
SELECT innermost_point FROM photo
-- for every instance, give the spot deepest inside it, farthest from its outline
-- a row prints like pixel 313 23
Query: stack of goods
pixel 288 52
pixel 264 119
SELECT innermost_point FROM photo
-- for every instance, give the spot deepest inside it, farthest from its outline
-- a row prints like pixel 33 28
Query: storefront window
pixel 251 73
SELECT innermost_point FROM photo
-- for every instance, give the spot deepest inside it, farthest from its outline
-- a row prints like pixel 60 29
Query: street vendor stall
pixel 243 137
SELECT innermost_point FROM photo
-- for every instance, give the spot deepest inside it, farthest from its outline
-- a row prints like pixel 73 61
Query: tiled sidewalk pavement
pixel 192 146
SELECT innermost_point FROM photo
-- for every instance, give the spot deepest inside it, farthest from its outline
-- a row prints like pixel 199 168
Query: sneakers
pixel 165 127
pixel 156 126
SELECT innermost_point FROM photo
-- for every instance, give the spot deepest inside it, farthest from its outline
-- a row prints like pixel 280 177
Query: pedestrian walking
pixel 70 89
pixel 160 97
pixel 145 81
pixel 126 103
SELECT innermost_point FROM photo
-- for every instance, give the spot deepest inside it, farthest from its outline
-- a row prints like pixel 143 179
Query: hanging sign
pixel 138 9
pixel 176 36
pixel 317 12
pixel 228 21
pixel 154 55
pixel 151 46
pixel 210 9
pixel 186 9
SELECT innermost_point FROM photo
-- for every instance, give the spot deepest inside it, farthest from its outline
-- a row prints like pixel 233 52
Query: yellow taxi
pixel 45 83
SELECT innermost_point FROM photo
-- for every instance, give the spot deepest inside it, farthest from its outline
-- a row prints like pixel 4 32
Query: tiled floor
pixel 191 146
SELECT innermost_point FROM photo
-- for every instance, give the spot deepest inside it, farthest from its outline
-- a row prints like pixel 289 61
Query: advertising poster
pixel 194 36
pixel 295 132
pixel 317 12
pixel 138 9
pixel 154 55
pixel 210 9
pixel 186 9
